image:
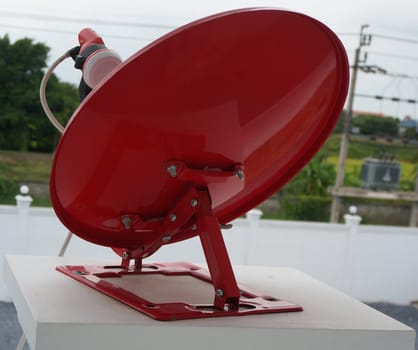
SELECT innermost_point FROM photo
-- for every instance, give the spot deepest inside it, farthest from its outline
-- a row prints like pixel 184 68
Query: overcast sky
pixel 128 25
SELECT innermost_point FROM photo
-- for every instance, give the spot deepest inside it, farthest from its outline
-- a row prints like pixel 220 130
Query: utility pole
pixel 365 40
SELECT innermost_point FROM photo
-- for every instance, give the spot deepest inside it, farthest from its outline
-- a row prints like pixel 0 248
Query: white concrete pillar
pixel 253 217
pixel 352 221
pixel 23 202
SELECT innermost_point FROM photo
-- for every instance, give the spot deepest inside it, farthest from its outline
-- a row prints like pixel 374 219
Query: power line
pixel 394 38
pixel 412 58
pixel 61 31
pixel 154 25
pixel 347 34
pixel 84 20
pixel 397 75
pixel 382 36
pixel 394 99
pixel 394 29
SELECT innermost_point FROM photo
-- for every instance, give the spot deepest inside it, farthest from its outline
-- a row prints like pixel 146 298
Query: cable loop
pixel 42 93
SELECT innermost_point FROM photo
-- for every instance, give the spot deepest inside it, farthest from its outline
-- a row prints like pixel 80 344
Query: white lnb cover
pixel 98 65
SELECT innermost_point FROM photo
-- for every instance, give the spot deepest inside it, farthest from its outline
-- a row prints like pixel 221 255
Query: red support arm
pixel 226 290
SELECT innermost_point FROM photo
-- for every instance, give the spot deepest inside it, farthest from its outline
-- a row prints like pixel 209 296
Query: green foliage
pixel 305 197
pixel 41 202
pixel 305 207
pixel 372 125
pixel 23 125
pixel 352 178
pixel 410 134
pixel 314 178
pixel 8 190
pixel 360 148
pixel 340 123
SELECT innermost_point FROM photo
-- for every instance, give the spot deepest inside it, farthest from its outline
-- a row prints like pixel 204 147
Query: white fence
pixel 372 263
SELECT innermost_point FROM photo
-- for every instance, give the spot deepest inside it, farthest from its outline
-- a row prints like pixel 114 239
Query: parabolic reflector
pixel 233 105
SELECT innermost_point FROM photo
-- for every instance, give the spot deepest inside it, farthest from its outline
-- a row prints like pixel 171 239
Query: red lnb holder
pixel 186 135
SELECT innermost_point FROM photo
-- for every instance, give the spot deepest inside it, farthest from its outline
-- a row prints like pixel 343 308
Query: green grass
pixel 41 202
pixel 25 166
pixel 362 148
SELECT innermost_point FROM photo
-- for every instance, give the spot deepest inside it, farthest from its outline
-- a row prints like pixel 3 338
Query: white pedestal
pixel 57 312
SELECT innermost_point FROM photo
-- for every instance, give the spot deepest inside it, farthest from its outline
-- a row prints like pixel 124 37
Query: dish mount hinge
pixel 206 176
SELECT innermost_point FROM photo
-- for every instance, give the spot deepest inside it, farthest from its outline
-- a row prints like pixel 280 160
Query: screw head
pixel 172 170
pixel 126 221
pixel 173 217
pixel 125 255
pixel 193 202
pixel 80 273
pixel 166 238
pixel 194 227
pixel 240 174
pixel 219 293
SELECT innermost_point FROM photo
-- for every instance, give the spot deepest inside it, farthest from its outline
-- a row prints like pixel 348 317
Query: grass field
pixel 25 166
pixel 360 148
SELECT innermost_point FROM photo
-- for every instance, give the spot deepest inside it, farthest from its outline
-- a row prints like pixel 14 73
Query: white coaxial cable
pixel 42 93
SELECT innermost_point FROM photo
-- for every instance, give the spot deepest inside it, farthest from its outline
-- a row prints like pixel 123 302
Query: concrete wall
pixel 372 263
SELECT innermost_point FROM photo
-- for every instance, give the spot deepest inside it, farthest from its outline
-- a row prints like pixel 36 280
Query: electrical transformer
pixel 380 174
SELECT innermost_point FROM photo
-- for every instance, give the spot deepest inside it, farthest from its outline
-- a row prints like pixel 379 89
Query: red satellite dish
pixel 193 131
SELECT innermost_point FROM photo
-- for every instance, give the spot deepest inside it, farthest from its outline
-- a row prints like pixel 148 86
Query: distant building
pixel 407 123
pixel 373 114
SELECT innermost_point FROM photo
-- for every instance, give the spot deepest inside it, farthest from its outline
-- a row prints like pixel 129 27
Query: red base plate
pixel 148 290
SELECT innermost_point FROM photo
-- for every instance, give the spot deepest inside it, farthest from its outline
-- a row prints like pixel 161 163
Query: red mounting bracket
pixel 192 212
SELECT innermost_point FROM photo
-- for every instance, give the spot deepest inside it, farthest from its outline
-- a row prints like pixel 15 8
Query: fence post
pixel 253 217
pixel 352 221
pixel 23 202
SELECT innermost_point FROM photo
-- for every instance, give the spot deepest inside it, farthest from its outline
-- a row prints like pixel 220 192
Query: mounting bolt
pixel 225 226
pixel 240 174
pixel 173 217
pixel 166 238
pixel 80 273
pixel 172 170
pixel 193 202
pixel 125 255
pixel 126 221
pixel 219 293
pixel 194 227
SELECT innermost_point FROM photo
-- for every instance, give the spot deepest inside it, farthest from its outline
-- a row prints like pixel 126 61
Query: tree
pixel 410 134
pixel 338 129
pixel 314 179
pixel 305 197
pixel 23 125
pixel 372 125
